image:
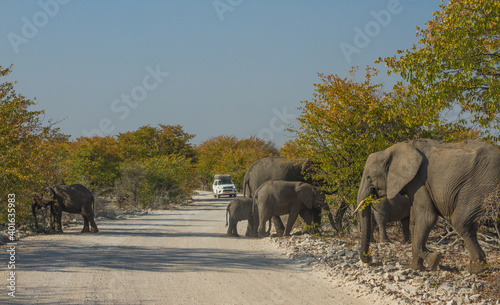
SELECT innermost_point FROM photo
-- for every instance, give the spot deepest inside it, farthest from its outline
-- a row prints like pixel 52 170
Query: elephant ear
pixel 401 166
pixel 49 194
pixel 306 194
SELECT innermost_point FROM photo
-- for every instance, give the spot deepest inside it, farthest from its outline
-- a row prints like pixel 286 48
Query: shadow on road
pixel 134 258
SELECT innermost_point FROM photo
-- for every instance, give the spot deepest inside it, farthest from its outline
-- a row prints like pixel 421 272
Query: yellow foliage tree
pixel 228 155
pixel 28 151
pixel 347 120
pixel 455 65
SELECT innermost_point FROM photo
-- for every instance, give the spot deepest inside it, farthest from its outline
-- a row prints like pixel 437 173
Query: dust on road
pixel 179 256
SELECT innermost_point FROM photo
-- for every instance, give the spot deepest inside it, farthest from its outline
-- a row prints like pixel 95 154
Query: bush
pixel 130 184
pixel 168 179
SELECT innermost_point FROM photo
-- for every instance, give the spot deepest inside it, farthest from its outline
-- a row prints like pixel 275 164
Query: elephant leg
pixel 263 217
pixel 232 229
pixel 405 223
pixel 86 228
pixel 278 225
pixel 467 229
pixel 53 216
pixel 292 216
pixel 382 230
pixel 477 256
pixel 58 220
pixel 423 219
pixel 262 228
pixel 93 225
pixel 249 231
pixel 87 213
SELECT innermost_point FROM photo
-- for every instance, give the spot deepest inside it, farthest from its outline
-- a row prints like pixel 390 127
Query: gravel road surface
pixel 179 256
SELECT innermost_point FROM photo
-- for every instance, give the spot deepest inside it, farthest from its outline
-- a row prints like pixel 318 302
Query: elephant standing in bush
pixel 74 198
pixel 450 180
pixel 391 210
pixel 279 168
pixel 275 198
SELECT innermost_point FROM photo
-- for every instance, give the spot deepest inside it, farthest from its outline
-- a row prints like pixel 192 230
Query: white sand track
pixel 179 256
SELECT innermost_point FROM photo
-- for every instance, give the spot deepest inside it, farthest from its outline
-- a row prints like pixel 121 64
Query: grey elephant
pixel 74 198
pixel 241 209
pixel 282 169
pixel 391 210
pixel 449 180
pixel 275 198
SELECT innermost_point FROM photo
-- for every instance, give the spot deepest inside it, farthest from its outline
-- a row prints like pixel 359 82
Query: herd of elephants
pixel 417 181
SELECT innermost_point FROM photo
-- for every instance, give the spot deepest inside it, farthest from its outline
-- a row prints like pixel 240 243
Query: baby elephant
pixel 239 209
pixel 386 211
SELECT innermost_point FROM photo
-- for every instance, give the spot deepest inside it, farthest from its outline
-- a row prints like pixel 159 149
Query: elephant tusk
pixel 359 205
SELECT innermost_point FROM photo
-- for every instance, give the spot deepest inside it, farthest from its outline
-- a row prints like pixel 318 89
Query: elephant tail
pixel 227 212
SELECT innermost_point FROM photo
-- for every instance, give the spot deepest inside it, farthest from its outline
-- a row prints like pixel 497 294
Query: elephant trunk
pixel 326 207
pixel 365 216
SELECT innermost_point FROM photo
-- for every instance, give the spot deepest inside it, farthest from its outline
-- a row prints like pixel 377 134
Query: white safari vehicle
pixel 223 185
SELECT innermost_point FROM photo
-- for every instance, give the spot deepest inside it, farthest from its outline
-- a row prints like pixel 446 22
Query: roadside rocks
pixel 389 277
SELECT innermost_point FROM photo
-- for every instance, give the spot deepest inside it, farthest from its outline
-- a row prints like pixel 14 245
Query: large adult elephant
pixel 449 180
pixel 279 168
pixel 275 198
pixel 74 198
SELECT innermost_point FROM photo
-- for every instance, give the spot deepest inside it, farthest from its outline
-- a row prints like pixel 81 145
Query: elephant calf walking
pixel 391 210
pixel 240 209
pixel 74 198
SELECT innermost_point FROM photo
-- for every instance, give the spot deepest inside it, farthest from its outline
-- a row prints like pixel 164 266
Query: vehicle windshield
pixel 225 180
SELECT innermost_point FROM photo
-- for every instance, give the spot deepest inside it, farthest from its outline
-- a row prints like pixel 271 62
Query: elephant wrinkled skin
pixel 240 209
pixel 75 198
pixel 281 169
pixel 391 210
pixel 449 180
pixel 275 198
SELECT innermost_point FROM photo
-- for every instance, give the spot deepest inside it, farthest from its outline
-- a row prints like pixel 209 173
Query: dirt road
pixel 179 256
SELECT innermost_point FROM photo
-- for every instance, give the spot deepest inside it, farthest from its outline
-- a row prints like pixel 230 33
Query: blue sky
pixel 216 67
